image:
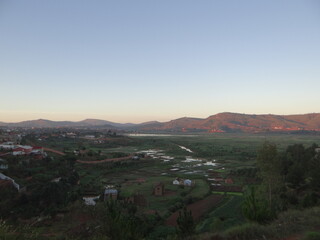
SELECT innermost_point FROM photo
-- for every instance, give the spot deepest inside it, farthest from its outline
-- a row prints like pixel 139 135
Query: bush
pixel 309 200
pixel 185 224
pixel 217 225
pixel 248 231
pixel 162 232
pixel 183 194
pixel 7 232
pixel 312 236
pixel 255 208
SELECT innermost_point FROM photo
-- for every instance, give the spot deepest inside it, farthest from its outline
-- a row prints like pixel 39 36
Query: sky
pixel 143 60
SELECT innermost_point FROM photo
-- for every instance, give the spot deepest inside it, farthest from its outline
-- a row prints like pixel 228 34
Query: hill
pixel 222 122
pixel 235 122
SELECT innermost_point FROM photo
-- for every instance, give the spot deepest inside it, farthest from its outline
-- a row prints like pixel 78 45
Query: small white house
pixel 176 182
pixel 90 201
pixel 90 136
pixel 37 150
pixel 110 193
pixel 187 182
pixel 56 180
pixel 25 147
pixel 20 151
pixel 7 146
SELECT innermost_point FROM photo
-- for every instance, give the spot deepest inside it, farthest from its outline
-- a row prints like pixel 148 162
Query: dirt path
pixel 54 151
pixel 198 208
pixel 106 160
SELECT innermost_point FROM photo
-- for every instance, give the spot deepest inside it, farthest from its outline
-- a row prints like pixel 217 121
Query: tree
pixel 254 207
pixel 269 165
pixel 120 221
pixel 315 172
pixel 186 226
pixel 295 176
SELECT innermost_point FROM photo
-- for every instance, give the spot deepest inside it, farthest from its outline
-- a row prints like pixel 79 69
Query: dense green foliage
pixel 186 226
pixel 290 179
pixel 120 221
pixel 44 195
pixel 255 207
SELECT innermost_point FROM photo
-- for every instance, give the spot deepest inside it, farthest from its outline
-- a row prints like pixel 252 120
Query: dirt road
pixel 106 160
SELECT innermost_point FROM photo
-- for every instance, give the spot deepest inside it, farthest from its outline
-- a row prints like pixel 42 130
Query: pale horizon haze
pixel 137 61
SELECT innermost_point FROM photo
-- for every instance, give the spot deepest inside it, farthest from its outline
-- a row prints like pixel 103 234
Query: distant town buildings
pixel 22 150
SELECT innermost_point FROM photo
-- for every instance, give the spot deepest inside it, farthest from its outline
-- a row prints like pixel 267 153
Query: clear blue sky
pixel 135 61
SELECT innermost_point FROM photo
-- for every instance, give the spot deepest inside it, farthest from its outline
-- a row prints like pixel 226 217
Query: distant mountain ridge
pixel 236 122
pixel 221 122
pixel 44 123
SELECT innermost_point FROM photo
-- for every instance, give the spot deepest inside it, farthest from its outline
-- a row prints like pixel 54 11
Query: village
pixel 86 161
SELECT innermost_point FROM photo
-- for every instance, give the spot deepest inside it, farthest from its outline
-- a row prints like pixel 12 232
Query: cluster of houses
pixel 183 182
pixel 10 135
pixel 22 150
pixel 109 193
pixel 159 189
pixel 219 181
pixel 96 140
pixel 224 185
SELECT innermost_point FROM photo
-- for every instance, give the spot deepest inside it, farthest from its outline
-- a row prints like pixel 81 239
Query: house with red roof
pixel 21 151
pixel 37 149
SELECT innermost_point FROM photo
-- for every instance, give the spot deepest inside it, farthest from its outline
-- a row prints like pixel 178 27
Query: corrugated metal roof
pixel 111 191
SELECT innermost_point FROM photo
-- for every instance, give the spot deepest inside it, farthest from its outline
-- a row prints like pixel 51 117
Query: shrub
pixel 7 232
pixel 255 208
pixel 185 222
pixel 248 231
pixel 311 236
pixel 183 194
pixel 309 200
pixel 217 225
pixel 162 232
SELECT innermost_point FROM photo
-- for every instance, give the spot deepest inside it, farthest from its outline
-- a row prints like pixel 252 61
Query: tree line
pixel 289 179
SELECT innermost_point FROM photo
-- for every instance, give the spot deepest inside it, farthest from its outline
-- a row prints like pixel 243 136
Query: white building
pixel 187 182
pixel 176 182
pixel 90 201
pixel 7 145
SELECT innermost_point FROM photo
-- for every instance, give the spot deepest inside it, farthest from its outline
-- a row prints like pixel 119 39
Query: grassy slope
pixel 226 215
pixel 293 224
